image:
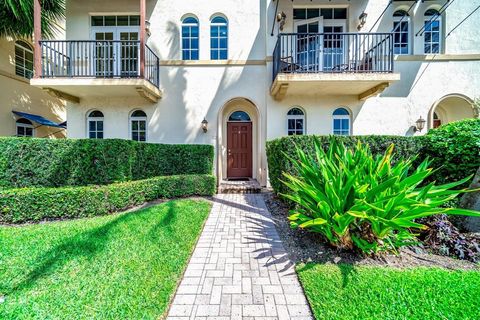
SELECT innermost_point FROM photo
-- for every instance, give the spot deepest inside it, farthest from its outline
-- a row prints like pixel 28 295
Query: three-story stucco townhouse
pixel 26 111
pixel 235 74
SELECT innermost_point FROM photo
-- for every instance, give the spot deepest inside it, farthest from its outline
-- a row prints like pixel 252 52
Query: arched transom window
pixel 95 125
pixel 138 126
pixel 219 38
pixel 401 32
pixel 239 116
pixel 295 122
pixel 190 39
pixel 432 32
pixel 23 59
pixel 24 128
pixel 341 122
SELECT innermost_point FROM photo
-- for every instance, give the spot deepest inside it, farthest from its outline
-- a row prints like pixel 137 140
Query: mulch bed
pixel 304 246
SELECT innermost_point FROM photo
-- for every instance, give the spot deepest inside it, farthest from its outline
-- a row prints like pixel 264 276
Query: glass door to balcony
pixel 116 52
pixel 334 57
pixel 309 45
pixel 104 54
pixel 129 53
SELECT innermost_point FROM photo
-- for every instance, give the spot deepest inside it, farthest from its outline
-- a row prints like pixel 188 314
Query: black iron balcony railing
pixel 97 59
pixel 333 53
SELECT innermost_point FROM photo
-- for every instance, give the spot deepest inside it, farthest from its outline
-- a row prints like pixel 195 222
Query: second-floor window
pixel 190 39
pixel 432 33
pixel 219 38
pixel 23 59
pixel 401 32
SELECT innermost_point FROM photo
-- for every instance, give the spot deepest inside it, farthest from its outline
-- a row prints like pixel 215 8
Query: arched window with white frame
pixel 341 122
pixel 219 38
pixel 138 126
pixel 401 32
pixel 23 59
pixel 24 128
pixel 190 39
pixel 433 31
pixel 296 122
pixel 95 122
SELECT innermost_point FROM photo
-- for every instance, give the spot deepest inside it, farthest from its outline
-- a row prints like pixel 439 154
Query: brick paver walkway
pixel 239 269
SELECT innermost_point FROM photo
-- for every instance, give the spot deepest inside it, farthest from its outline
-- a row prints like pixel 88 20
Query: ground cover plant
pixel 124 266
pixel 358 292
pixel 356 200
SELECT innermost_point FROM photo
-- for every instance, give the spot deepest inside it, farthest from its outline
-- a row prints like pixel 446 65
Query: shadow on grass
pixel 347 271
pixel 89 244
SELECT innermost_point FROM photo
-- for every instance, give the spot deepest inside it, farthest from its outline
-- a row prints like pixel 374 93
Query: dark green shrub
pixel 357 200
pixel 454 148
pixel 278 163
pixel 54 163
pixel 37 204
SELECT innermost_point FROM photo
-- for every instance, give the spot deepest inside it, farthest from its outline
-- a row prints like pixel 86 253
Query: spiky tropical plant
pixel 16 17
pixel 357 200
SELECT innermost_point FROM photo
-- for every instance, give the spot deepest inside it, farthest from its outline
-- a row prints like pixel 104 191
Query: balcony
pixel 79 69
pixel 360 64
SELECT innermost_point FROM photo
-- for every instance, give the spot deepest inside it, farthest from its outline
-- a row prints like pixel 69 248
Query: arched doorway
pixel 239 153
pixel 451 108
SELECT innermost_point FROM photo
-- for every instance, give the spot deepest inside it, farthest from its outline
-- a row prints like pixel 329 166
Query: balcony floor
pixel 362 85
pixel 74 89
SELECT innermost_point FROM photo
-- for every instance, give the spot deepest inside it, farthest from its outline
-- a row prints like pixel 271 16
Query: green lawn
pixel 125 266
pixel 347 292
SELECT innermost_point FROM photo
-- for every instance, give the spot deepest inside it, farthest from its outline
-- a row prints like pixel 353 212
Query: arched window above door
pixel 239 116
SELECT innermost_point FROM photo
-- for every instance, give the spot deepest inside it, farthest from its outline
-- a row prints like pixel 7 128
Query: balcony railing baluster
pixel 97 59
pixel 333 53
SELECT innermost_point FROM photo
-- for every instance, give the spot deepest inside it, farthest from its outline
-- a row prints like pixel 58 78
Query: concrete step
pixel 239 186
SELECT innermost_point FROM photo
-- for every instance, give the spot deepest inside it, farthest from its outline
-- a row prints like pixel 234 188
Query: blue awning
pixel 39 119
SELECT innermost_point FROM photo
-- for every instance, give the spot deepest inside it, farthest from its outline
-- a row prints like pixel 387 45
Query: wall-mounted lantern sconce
pixel 419 125
pixel 147 28
pixel 363 20
pixel 282 19
pixel 205 125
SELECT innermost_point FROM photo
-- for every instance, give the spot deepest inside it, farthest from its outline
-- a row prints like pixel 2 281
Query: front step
pixel 241 187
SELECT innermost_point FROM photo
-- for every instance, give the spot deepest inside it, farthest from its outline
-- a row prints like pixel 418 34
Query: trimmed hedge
pixel 26 162
pixel 279 163
pixel 37 204
pixel 454 148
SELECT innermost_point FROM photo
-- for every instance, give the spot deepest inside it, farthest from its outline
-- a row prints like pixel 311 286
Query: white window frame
pixel 342 117
pixel 296 117
pixel 132 119
pixel 24 47
pixel 407 20
pixel 95 119
pixel 25 126
pixel 190 38
pixel 218 48
pixel 440 43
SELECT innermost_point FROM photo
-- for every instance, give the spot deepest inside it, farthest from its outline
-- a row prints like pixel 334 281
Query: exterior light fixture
pixel 363 20
pixel 147 28
pixel 420 125
pixel 282 19
pixel 205 125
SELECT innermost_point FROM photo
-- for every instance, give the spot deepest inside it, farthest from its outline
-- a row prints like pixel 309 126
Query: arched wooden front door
pixel 239 146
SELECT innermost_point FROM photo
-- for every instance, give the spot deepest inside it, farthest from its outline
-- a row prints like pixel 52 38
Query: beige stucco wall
pixel 17 94
pixel 192 92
